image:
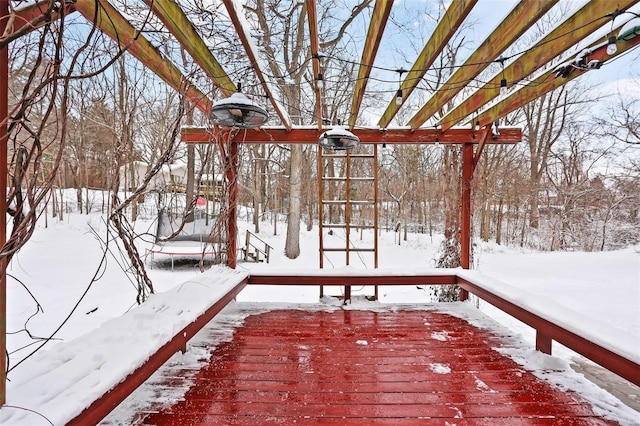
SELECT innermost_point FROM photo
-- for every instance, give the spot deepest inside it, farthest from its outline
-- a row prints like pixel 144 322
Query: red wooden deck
pixel 365 367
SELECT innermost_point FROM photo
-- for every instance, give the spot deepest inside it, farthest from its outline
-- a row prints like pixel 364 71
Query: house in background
pixel 171 178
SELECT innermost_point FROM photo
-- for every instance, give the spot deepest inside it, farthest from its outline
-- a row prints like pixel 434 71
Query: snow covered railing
pixel 191 305
pixel 104 367
pixel 96 384
pixel 610 348
pixel 586 336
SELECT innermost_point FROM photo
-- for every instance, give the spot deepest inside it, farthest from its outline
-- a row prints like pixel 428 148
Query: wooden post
pixel 543 343
pixel 232 224
pixel 4 91
pixel 375 214
pixel 465 220
pixel 320 213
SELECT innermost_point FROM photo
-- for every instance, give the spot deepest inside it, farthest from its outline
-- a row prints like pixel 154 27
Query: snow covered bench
pixel 102 368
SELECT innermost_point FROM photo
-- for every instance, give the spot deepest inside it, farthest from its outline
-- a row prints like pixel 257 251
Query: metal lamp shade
pixel 338 138
pixel 238 111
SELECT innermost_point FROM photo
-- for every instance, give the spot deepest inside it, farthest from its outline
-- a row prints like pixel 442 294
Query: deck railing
pixel 547 328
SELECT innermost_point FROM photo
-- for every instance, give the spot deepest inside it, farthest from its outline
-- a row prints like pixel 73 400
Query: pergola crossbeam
pixel 524 15
pixel 377 24
pixel 574 29
pixel 314 42
pixel 239 22
pixel 310 135
pixel 548 82
pixel 111 22
pixel 448 25
pixel 174 19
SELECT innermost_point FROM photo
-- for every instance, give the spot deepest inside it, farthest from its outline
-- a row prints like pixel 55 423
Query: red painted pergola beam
pixel 508 135
pixel 354 280
pixel 26 19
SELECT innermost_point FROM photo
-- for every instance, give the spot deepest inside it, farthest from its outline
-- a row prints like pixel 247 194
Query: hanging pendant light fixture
pixel 338 138
pixel 238 111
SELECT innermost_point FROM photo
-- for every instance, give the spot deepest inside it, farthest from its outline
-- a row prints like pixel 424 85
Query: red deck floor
pixel 365 367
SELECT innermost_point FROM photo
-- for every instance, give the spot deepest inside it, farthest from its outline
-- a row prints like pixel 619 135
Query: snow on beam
pixel 508 135
pixel 173 17
pixel 377 25
pixel 315 58
pixel 524 15
pixel 31 17
pixel 548 81
pixel 580 25
pixel 448 25
pixel 242 29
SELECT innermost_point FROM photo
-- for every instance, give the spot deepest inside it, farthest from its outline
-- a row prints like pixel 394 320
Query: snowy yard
pixel 58 264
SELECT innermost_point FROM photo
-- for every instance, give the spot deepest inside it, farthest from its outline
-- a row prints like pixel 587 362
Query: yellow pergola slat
pixel 580 25
pixel 251 51
pixel 448 25
pixel 379 18
pixel 548 81
pixel 314 41
pixel 174 19
pixel 520 19
pixel 113 24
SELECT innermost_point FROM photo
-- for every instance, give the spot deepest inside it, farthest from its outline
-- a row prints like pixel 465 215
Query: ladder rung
pixel 361 202
pixel 351 156
pixel 343 178
pixel 342 225
pixel 337 249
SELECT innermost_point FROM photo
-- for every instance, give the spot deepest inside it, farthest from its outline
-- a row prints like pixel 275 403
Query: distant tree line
pixel 76 122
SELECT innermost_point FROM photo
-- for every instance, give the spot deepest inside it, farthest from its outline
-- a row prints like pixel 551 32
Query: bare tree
pixel 286 48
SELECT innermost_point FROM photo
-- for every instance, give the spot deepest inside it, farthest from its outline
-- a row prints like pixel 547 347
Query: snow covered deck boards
pixel 366 367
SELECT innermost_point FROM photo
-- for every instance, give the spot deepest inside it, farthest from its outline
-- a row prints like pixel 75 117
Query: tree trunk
pixel 450 256
pixel 499 216
pixel 292 244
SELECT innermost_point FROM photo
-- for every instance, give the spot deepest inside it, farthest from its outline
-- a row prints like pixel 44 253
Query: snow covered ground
pixel 58 264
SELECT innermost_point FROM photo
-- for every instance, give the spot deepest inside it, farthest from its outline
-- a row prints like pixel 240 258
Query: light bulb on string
pixel 399 92
pixel 399 97
pixel 503 83
pixel 612 40
pixel 612 47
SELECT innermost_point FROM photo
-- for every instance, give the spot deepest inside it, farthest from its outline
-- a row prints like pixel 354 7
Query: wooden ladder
pixel 348 183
